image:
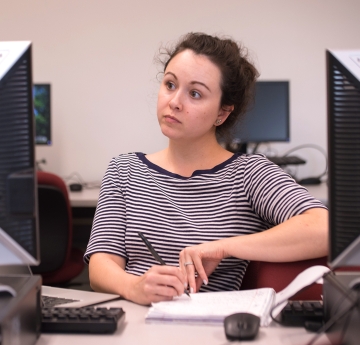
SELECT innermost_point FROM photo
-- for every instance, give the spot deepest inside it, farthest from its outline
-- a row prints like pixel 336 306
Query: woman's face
pixel 189 97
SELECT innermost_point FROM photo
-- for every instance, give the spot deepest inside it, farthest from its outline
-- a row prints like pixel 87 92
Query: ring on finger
pixel 188 263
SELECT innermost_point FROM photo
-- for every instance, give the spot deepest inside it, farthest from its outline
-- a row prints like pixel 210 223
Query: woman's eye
pixel 170 85
pixel 195 94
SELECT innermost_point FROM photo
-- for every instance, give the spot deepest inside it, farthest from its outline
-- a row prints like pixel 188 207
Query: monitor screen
pixel 42 112
pixel 343 97
pixel 268 118
pixel 19 236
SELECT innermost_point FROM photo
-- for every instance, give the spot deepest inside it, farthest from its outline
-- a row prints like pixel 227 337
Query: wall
pixel 98 56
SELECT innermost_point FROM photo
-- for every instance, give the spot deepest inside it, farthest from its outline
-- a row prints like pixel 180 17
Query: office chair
pixel 59 261
pixel 280 274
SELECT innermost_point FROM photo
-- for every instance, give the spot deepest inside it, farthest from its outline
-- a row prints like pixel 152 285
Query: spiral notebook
pixel 213 307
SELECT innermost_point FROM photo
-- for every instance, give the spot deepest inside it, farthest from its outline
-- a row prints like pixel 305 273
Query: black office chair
pixel 59 260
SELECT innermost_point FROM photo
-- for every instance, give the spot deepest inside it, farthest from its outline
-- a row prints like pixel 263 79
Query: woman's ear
pixel 224 112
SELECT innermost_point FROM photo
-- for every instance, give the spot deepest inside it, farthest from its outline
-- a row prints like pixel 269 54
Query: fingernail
pixel 185 286
pixel 205 282
pixel 191 290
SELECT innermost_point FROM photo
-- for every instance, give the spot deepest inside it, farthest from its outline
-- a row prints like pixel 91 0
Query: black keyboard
pixel 301 313
pixel 81 320
pixel 286 160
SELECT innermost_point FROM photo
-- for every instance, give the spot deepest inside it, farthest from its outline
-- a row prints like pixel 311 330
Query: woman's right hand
pixel 159 283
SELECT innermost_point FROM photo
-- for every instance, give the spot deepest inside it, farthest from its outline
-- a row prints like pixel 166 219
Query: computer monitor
pixel 19 236
pixel 268 119
pixel 42 112
pixel 343 97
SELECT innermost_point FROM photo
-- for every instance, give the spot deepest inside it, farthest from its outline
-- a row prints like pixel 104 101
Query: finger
pixel 158 298
pixel 198 265
pixel 183 269
pixel 169 270
pixel 187 266
pixel 193 265
pixel 190 274
pixel 167 276
pixel 166 292
pixel 199 282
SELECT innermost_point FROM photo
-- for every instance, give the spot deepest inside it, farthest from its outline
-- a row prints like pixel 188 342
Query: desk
pixel 136 331
pixel 84 198
pixel 83 205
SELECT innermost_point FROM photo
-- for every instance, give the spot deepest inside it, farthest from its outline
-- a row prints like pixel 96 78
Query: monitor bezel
pixel 12 252
pixel 350 255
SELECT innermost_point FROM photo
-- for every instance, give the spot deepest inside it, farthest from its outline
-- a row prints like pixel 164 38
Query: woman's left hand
pixel 203 259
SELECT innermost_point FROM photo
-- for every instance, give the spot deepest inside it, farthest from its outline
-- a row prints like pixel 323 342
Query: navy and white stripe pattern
pixel 243 195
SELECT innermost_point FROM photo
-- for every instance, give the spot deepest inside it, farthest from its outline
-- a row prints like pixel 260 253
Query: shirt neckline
pixel 142 157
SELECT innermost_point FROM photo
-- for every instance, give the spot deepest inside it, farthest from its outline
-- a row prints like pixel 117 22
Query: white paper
pixel 213 307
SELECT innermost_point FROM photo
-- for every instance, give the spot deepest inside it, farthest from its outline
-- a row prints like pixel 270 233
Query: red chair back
pixel 280 274
pixel 59 261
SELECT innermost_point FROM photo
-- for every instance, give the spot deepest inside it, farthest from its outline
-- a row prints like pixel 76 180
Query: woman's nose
pixel 175 102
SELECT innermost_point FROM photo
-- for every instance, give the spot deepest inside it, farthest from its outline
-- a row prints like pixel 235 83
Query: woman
pixel 194 200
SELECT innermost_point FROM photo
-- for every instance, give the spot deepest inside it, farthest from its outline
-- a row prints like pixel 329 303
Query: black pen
pixel 154 253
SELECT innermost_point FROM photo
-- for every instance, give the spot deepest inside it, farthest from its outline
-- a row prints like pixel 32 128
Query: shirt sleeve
pixel 109 225
pixel 273 194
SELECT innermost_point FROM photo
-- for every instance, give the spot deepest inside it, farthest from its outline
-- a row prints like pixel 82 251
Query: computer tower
pixel 20 315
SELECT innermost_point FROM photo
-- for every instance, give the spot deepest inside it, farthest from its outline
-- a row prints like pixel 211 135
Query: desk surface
pixel 84 198
pixel 89 197
pixel 136 331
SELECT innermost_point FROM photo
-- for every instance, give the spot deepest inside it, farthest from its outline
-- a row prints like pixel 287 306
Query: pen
pixel 154 253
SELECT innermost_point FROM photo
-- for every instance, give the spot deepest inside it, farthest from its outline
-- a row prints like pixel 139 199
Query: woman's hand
pixel 301 237
pixel 203 259
pixel 159 283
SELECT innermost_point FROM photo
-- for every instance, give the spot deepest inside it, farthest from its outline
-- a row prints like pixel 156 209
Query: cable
pixel 75 174
pixel 284 300
pixel 319 148
pixel 336 317
pixel 79 179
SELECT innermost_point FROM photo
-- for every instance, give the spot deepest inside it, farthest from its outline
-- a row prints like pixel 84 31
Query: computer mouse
pixel 76 187
pixel 241 326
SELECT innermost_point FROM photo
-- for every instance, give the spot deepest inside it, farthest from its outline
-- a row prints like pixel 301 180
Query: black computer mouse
pixel 76 187
pixel 241 326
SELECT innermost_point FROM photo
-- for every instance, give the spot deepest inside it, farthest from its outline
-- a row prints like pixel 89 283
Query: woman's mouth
pixel 171 119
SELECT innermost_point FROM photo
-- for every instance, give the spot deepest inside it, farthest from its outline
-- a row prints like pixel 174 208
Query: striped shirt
pixel 243 195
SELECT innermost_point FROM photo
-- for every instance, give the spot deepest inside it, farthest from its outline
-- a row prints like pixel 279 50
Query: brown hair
pixel 238 73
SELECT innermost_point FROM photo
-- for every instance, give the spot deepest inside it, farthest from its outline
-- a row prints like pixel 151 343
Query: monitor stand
pixel 341 294
pixel 20 316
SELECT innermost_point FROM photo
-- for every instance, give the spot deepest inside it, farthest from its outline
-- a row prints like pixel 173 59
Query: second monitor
pixel 268 119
